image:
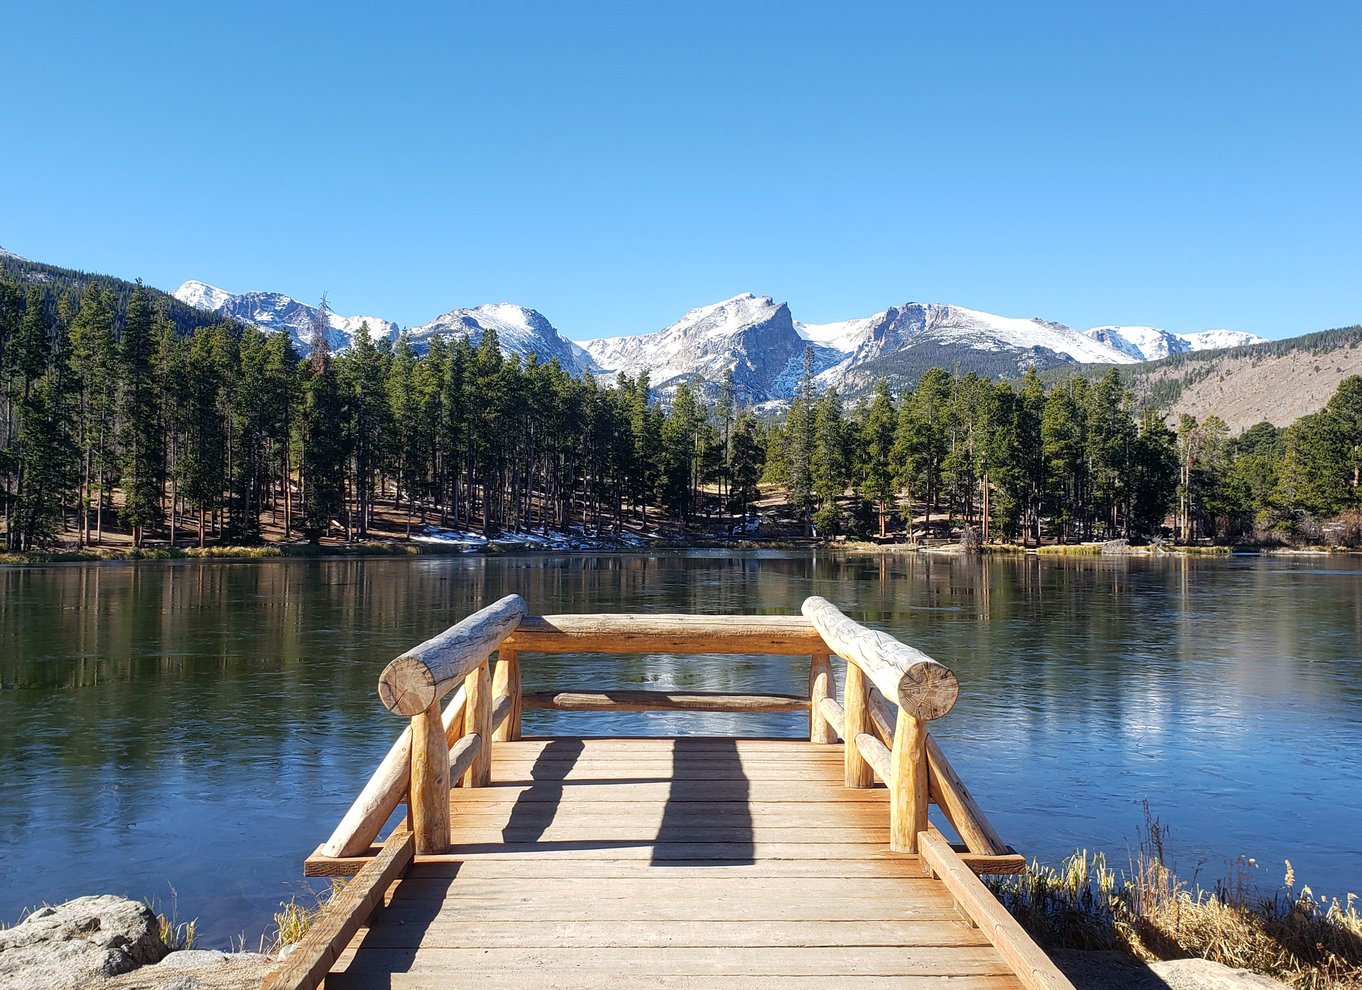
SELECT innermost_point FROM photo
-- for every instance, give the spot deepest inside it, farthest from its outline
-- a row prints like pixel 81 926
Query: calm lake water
pixel 191 731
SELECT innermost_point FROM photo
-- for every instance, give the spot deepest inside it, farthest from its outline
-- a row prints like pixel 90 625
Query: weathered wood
pixel 781 635
pixel 644 701
pixel 944 787
pixel 908 784
pixel 386 789
pixel 418 678
pixel 855 721
pixel 832 712
pixel 820 690
pixel 478 721
pixel 876 754
pixel 921 686
pixel 463 754
pixel 675 981
pixel 950 795
pixel 1032 966
pixel 430 781
pixel 507 691
pixel 346 913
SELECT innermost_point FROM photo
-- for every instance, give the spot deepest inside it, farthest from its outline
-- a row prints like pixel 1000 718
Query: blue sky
pixel 1186 165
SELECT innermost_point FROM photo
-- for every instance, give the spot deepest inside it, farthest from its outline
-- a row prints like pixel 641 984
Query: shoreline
pixel 534 544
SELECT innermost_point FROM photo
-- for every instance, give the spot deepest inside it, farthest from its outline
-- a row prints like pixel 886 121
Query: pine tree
pixel 829 465
pixel 141 434
pixel 322 461
pixel 799 439
pixel 877 442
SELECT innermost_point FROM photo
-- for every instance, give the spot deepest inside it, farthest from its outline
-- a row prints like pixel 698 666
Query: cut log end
pixel 407 687
pixel 928 690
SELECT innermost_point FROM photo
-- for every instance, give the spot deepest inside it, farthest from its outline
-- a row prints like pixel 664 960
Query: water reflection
pixel 203 725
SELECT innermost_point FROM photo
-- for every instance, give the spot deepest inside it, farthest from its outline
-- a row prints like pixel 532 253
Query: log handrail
pixel 922 687
pixel 772 635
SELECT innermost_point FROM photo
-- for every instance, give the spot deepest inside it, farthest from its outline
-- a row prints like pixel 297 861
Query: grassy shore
pixel 1147 911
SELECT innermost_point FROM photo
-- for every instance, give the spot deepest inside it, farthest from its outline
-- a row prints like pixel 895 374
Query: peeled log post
pixel 506 685
pixel 820 688
pixel 429 782
pixel 922 687
pixel 908 784
pixel 944 787
pixel 478 721
pixel 418 678
pixel 855 721
pixel 386 789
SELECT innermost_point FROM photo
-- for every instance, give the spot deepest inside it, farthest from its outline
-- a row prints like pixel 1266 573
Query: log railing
pixel 890 693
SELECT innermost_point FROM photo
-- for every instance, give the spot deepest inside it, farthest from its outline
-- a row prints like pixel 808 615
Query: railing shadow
pixel 707 804
pixel 537 805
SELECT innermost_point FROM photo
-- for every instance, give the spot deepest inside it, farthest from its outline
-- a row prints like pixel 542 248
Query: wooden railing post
pixel 908 783
pixel 478 719
pixel 820 687
pixel 855 721
pixel 430 781
pixel 506 684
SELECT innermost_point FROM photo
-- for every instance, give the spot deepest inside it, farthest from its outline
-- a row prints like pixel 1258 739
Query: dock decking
pixel 675 862
pixel 685 862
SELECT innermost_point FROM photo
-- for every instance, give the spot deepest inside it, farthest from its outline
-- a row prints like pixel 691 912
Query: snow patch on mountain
pixel 278 312
pixel 11 254
pixel 1153 343
pixel 751 336
pixel 519 331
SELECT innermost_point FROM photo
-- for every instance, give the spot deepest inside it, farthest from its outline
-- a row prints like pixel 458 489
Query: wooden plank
pixel 718 831
pixel 921 686
pixel 651 789
pixel 494 932
pixel 646 701
pixel 782 635
pixel 659 851
pixel 871 872
pixel 342 917
pixel 474 965
pixel 421 676
pixel 1031 966
pixel 536 980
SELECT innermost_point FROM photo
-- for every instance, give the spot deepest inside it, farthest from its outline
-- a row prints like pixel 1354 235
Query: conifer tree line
pixel 111 416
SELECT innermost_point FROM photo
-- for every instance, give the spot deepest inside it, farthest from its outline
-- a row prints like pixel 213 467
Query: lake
pixel 189 731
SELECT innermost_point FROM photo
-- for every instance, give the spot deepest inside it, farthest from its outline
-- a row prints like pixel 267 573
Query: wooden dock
pixel 669 862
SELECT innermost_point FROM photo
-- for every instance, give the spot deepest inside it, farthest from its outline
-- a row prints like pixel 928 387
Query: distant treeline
pixel 110 408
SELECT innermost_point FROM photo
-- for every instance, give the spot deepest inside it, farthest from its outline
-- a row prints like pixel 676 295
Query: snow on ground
pixel 576 538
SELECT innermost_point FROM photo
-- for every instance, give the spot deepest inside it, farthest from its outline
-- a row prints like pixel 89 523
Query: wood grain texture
pixel 647 701
pixel 833 713
pixel 506 690
pixel 921 686
pixel 1030 965
pixel 421 676
pixel 876 754
pixel 782 635
pixel 908 784
pixel 430 781
pixel 855 721
pixel 342 917
pixel 478 721
pixel 820 690
pixel 386 789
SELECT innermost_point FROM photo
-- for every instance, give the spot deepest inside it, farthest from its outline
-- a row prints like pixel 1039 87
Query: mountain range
pixel 755 338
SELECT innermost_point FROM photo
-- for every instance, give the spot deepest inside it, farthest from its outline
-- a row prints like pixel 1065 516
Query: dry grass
pixel 293 920
pixel 1307 942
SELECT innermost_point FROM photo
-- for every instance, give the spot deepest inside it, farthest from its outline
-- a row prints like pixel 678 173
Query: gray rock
pixel 206 958
pixel 85 938
pixel 1202 974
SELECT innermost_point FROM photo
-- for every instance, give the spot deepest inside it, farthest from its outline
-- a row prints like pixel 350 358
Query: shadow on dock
pixel 707 775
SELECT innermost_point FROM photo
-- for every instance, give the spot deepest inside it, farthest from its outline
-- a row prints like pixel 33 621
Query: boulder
pixel 86 938
pixel 1202 974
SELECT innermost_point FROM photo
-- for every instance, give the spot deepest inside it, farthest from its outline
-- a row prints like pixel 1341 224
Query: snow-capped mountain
pixel 752 336
pixel 1153 343
pixel 11 254
pixel 275 311
pixel 519 331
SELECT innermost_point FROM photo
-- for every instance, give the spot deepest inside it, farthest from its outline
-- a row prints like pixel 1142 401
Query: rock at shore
pixel 82 939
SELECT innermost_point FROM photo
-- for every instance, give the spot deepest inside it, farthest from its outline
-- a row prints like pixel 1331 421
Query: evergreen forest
pixel 117 414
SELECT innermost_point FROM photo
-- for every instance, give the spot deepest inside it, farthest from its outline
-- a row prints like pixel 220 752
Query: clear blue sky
pixel 1187 165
